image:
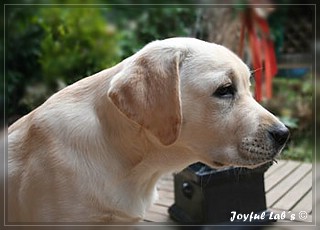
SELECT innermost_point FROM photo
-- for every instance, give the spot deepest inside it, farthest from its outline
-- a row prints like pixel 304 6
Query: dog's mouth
pixel 265 145
pixel 252 152
pixel 248 157
pixel 251 164
pixel 257 151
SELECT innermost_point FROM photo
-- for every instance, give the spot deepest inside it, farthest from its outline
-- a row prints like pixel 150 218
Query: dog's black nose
pixel 280 134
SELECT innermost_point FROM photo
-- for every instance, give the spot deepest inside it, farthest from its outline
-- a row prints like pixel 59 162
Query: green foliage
pixel 23 41
pixel 300 150
pixel 295 110
pixel 47 45
pixel 141 25
pixel 77 43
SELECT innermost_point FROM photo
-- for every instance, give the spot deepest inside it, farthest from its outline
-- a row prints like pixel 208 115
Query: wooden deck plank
pixel 166 180
pixel 157 217
pixel 164 201
pixel 287 183
pixel 280 174
pixel 290 199
pixel 167 186
pixel 274 168
pixel 157 213
pixel 166 194
pixel 158 209
pixel 305 204
pixel 167 177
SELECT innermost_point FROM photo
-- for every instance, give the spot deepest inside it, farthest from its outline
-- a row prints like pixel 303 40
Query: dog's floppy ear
pixel 147 91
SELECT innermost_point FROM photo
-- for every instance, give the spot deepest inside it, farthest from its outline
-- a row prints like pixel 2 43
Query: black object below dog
pixel 210 196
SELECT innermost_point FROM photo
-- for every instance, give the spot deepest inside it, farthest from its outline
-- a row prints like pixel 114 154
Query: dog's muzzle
pixel 265 144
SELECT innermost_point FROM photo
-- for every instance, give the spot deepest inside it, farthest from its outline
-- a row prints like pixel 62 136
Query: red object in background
pixel 262 52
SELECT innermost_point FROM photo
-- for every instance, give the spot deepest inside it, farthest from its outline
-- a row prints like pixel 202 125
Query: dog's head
pixel 197 94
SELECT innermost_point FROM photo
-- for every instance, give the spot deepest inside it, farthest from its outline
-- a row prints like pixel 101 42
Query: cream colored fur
pixel 94 151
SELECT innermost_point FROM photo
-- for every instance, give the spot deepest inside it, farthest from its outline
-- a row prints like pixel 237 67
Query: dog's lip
pixel 252 160
pixel 244 164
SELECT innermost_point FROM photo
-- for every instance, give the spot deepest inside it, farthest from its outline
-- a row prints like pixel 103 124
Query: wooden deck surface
pixel 288 187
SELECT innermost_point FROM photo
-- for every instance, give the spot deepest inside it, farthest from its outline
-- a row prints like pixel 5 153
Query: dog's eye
pixel 225 91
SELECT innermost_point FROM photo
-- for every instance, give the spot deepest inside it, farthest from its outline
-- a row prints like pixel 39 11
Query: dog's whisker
pixel 255 70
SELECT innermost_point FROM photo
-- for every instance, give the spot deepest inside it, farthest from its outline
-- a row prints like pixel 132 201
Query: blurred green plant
pixel 141 25
pixel 23 50
pixel 295 111
pixel 77 42
pixel 50 45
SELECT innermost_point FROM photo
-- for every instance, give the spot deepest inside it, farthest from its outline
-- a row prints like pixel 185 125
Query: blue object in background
pixel 293 73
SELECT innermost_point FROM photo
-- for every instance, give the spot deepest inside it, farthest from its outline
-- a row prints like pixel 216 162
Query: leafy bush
pixel 141 25
pixel 50 45
pixel 77 43
pixel 23 42
pixel 295 110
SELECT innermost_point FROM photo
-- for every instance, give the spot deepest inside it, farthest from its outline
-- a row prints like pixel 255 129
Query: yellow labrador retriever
pixel 94 151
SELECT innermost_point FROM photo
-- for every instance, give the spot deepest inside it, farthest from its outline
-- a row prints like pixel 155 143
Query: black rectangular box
pixel 206 195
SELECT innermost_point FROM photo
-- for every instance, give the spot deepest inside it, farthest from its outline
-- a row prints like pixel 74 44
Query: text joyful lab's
pixel 249 217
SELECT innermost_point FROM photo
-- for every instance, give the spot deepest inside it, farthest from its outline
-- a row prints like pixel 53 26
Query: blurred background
pixel 50 46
